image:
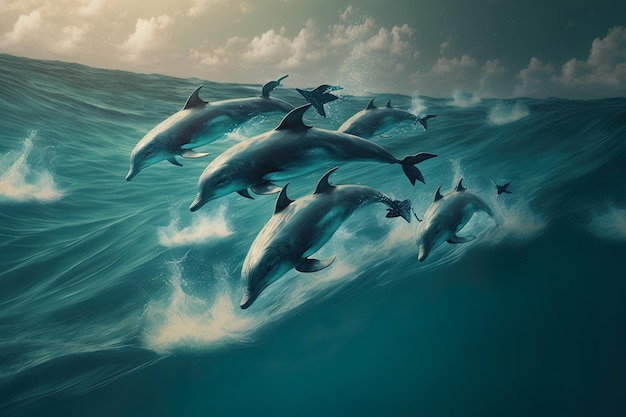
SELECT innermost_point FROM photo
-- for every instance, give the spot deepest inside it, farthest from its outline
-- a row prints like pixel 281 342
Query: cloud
pixel 146 37
pixel 346 14
pixel 602 74
pixel 362 50
pixel 27 27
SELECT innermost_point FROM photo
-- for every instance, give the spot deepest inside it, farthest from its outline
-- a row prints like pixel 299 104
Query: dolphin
pixel 504 188
pixel 291 149
pixel 445 217
pixel 320 96
pixel 376 120
pixel 199 123
pixel 299 228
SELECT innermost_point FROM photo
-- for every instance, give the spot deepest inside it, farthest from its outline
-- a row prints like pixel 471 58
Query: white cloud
pixel 27 27
pixel 346 14
pixel 71 38
pixel 146 37
pixel 454 65
pixel 602 74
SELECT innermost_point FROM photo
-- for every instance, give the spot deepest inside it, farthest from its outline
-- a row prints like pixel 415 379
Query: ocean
pixel 116 300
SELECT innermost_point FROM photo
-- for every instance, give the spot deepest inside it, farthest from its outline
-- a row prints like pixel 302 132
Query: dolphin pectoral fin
pixel 314 265
pixel 174 161
pixel 460 239
pixel 191 154
pixel 265 188
pixel 245 193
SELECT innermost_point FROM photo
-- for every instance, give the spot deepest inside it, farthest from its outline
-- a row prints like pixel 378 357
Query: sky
pixel 491 48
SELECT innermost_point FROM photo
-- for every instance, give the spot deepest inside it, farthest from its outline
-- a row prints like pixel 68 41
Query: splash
pixel 187 321
pixel 504 113
pixel 417 105
pixel 214 319
pixel 354 71
pixel 609 224
pixel 202 229
pixel 23 176
pixel 465 99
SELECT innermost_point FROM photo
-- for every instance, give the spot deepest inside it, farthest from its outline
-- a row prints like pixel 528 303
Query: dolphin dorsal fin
pixel 388 104
pixel 459 186
pixel 438 195
pixel 270 86
pixel 194 100
pixel 293 119
pixel 371 104
pixel 282 201
pixel 323 185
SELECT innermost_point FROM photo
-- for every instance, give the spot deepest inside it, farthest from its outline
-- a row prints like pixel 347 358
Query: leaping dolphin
pixel 199 123
pixel 291 149
pixel 376 120
pixel 320 96
pixel 299 228
pixel 445 217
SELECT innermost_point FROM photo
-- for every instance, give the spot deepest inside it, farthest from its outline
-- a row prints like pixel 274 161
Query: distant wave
pixel 465 99
pixel 504 113
pixel 609 223
pixel 24 176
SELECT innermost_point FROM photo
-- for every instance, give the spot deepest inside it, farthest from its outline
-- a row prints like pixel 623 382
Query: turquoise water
pixel 116 300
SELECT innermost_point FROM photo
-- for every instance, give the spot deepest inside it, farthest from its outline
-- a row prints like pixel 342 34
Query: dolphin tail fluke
pixel 306 94
pixel 423 120
pixel 409 168
pixel 400 209
pixel 320 96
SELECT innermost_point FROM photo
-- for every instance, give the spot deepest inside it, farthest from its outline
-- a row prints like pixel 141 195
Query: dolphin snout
pixel 421 253
pixel 132 173
pixel 247 299
pixel 198 202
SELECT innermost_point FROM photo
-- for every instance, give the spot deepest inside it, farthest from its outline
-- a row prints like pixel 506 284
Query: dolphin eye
pixel 269 268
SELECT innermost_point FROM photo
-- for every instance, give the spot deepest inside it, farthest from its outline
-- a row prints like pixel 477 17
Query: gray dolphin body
pixel 199 123
pixel 445 217
pixel 376 120
pixel 289 150
pixel 300 228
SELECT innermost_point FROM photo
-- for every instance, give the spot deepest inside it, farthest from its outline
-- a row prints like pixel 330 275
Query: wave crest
pixel 503 113
pixel 202 229
pixel 23 176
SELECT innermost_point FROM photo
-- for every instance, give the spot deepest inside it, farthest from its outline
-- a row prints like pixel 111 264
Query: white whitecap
pixel 609 223
pixel 504 113
pixel 24 176
pixel 465 99
pixel 203 228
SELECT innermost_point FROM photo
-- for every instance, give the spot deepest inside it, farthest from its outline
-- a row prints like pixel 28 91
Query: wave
pixel 24 176
pixel 609 223
pixel 181 320
pixel 504 113
pixel 465 99
pixel 202 229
